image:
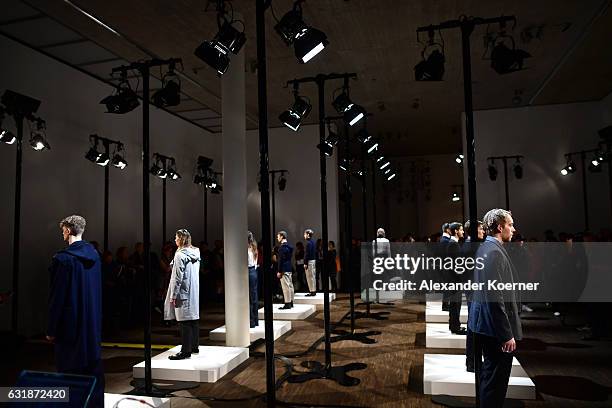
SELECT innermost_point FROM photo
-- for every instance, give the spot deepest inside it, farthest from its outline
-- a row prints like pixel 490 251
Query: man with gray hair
pixel 75 307
pixel 494 316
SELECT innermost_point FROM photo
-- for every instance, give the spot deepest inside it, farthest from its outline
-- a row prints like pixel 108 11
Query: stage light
pixel 518 169
pixel 118 158
pixel 431 67
pixel 7 137
pixel 92 154
pixel 38 140
pixel 569 168
pixel 387 171
pixel 363 136
pixel 595 166
pixel 102 159
pixel 293 117
pixel 228 40
pixel 158 167
pixel 371 146
pixel 459 159
pixel 455 197
pixel 345 164
pixel 391 177
pixel 384 165
pixel 351 112
pixel 173 175
pixel 124 99
pixel 307 41
pixel 170 93
pixel 326 148
pixel 504 59
pixel 282 182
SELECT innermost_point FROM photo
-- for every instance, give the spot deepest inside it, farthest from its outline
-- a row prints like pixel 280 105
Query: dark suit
pixel 494 318
pixel 75 313
pixel 453 250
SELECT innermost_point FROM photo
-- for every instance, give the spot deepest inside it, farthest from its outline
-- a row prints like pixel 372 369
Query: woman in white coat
pixel 182 299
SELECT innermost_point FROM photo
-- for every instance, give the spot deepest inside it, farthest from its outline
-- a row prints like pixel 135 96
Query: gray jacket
pixel 184 286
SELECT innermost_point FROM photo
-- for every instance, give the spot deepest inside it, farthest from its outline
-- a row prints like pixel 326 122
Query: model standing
pixel 182 299
pixel 494 316
pixel 285 251
pixel 252 264
pixel 310 262
pixel 75 307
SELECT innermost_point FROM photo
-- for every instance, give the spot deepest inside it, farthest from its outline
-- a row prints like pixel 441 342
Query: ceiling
pixel 375 39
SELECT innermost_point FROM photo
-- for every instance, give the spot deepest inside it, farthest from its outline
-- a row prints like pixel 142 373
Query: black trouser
pixel 469 344
pixel 190 335
pixel 454 311
pixel 253 298
pixel 494 372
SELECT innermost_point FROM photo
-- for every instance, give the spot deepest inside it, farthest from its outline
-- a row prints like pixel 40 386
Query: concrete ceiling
pixel 375 39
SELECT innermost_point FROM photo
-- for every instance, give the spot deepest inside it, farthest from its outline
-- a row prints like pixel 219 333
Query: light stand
pixel 363 178
pixel 373 167
pixel 461 198
pixel 168 169
pixel 262 103
pixel 144 67
pixel 273 174
pixel 20 107
pixel 105 160
pixel 504 160
pixel 343 335
pixel 318 370
pixel 467 25
pixel 607 142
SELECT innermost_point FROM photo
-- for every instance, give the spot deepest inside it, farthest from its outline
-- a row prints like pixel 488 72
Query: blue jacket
pixel 284 257
pixel 75 306
pixel 311 251
pixel 493 312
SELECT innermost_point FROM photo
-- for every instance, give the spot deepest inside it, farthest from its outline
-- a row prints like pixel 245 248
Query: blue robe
pixel 75 307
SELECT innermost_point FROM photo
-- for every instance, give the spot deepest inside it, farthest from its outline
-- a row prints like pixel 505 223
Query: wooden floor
pixel 568 372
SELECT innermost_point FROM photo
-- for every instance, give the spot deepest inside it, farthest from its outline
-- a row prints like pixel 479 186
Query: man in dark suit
pixel 75 307
pixel 494 316
pixel 455 250
pixel 444 239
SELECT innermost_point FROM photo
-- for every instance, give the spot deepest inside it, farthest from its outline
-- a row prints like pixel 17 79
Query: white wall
pixel 61 182
pixel 299 206
pixel 543 199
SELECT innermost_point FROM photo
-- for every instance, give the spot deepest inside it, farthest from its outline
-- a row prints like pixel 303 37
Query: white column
pixel 234 204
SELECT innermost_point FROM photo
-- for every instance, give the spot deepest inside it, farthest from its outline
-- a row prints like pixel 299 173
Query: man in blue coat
pixel 494 316
pixel 75 307
pixel 285 251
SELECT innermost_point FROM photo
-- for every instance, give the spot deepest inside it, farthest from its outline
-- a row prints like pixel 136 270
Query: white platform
pixel 297 312
pixel 435 314
pixel 111 399
pixel 437 335
pixel 318 299
pixel 445 374
pixel 280 327
pixel 383 295
pixel 209 365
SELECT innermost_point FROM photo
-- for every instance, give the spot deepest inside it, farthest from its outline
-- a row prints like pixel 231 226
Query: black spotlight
pixel 216 52
pixel 5 135
pixel 595 164
pixel 38 140
pixel 119 159
pixel 293 117
pixel 92 154
pixel 157 169
pixel 569 168
pixel 431 68
pixel 363 136
pixel 371 146
pixel 351 112
pixel 345 164
pixel 326 148
pixel 170 93
pixel 504 59
pixel 282 182
pixel 492 171
pixel 124 99
pixel 518 169
pixel 171 173
pixel 307 41
pixel 459 159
